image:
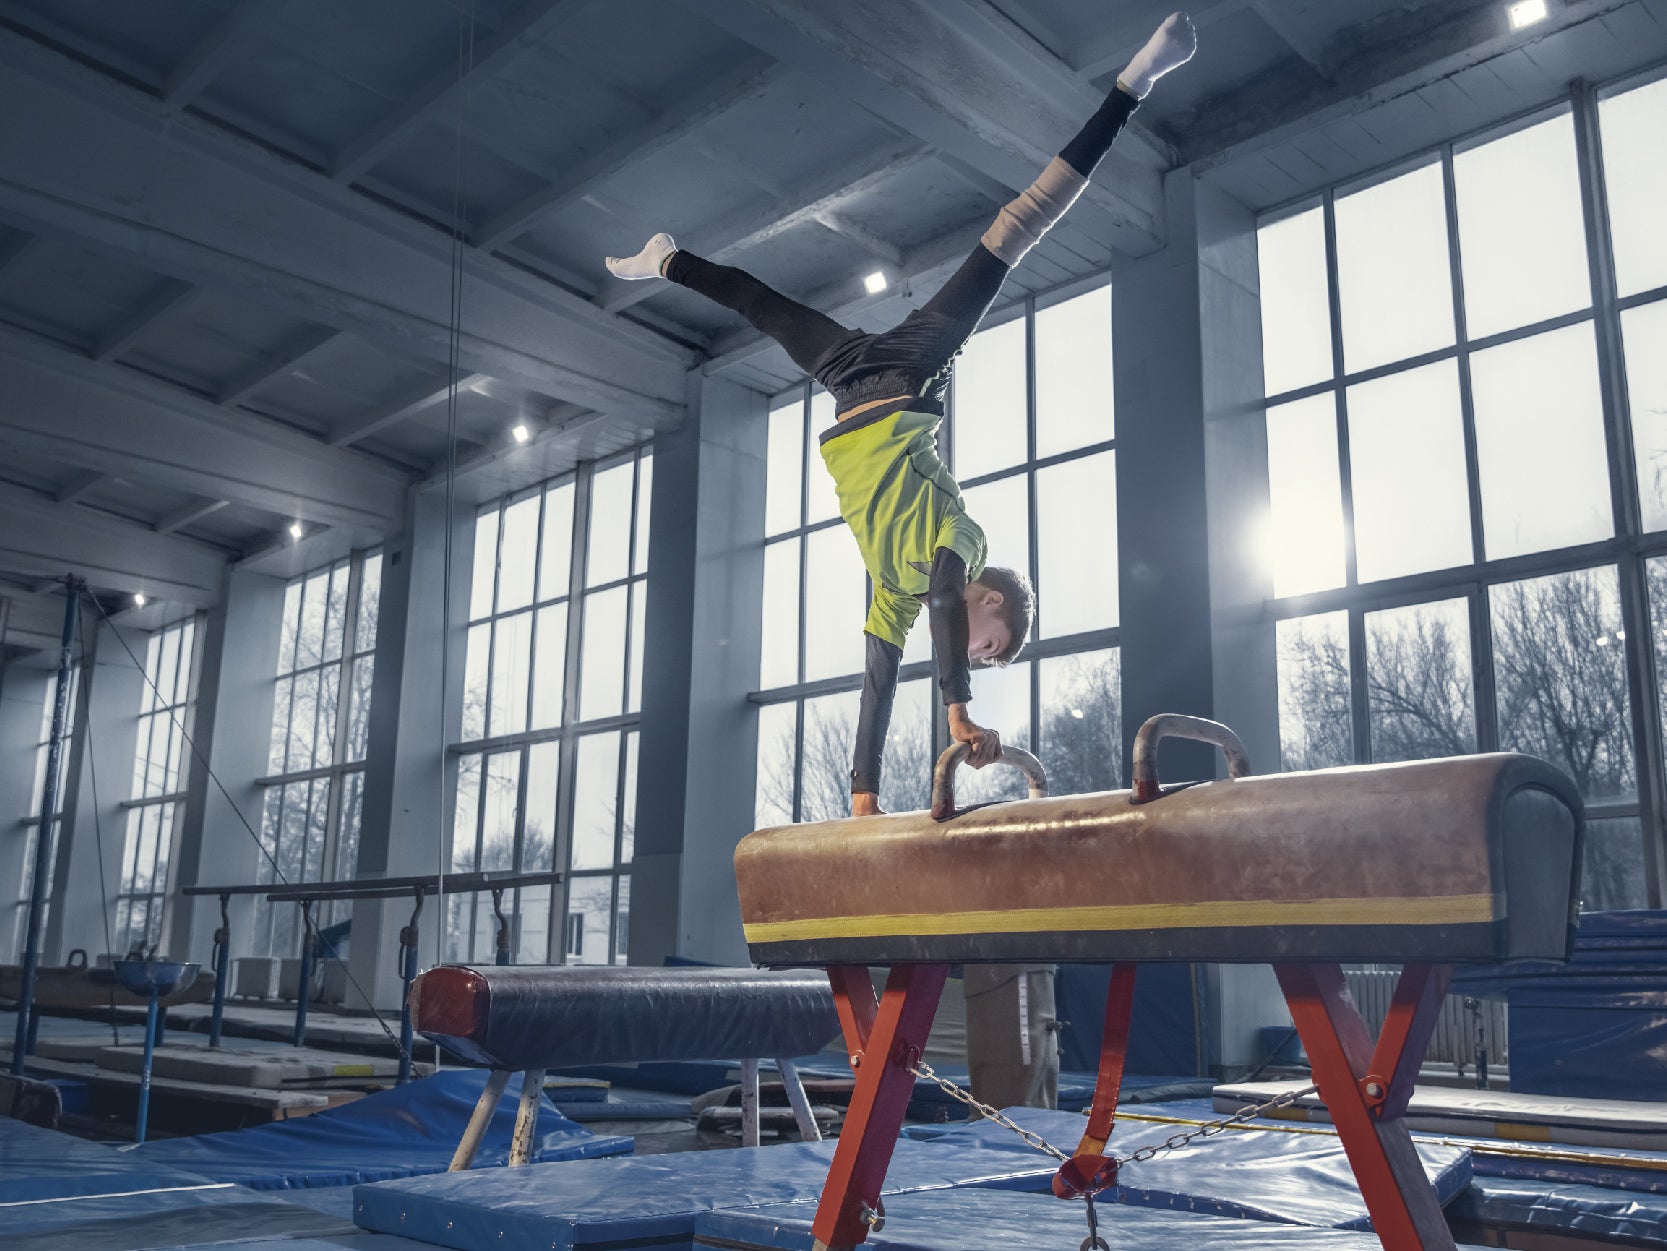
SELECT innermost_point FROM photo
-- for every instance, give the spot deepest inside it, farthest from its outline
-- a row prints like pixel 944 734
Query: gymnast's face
pixel 987 633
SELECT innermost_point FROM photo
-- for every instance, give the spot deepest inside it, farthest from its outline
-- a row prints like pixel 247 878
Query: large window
pixel 314 788
pixel 159 782
pixel 1463 364
pixel 29 828
pixel 1031 439
pixel 547 763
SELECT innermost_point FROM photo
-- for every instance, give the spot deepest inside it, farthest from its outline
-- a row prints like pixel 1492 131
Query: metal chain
pixel 1140 1154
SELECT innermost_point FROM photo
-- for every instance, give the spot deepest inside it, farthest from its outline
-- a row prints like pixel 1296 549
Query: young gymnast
pixel 902 505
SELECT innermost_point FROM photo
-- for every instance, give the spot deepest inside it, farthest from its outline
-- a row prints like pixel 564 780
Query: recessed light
pixel 138 599
pixel 521 433
pixel 1525 13
pixel 295 530
pixel 875 282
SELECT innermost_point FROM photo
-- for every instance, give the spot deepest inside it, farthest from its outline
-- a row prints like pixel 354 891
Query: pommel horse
pixel 1425 864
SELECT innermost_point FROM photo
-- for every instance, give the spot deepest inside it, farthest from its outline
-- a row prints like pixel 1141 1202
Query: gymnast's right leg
pixel 806 334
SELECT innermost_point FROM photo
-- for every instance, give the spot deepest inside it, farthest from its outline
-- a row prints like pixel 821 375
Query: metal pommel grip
pixel 1176 725
pixel 943 776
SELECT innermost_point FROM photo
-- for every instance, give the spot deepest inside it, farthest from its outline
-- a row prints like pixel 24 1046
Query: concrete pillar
pixel 699 744
pixel 22 695
pixel 1192 483
pixel 408 778
pixel 236 684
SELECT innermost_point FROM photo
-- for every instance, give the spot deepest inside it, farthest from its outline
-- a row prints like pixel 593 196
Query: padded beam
pixel 1467 859
pixel 538 1017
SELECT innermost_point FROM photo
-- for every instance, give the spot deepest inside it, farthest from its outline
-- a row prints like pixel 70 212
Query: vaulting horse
pixel 1425 864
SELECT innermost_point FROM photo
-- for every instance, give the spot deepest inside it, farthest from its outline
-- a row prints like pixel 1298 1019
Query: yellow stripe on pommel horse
pixel 1425 864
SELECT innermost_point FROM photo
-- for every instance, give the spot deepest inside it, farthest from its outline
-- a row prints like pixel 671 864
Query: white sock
pixel 645 264
pixel 1172 45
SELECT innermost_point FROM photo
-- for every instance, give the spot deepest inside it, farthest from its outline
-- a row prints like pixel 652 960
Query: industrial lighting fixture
pixel 875 282
pixel 521 433
pixel 138 599
pixel 295 530
pixel 1525 13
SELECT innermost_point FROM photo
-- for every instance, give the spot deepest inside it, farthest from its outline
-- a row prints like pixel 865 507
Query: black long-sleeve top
pixel 946 605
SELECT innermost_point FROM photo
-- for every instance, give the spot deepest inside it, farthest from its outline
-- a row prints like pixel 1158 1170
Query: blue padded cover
pixel 558 1016
pixel 44 1164
pixel 988 1220
pixel 647 1198
pixel 1592 1210
pixel 400 1132
pixel 1255 1174
pixel 206 1212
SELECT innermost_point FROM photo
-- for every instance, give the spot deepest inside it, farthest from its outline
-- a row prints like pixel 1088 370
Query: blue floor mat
pixel 652 1199
pixel 37 1164
pixel 1620 1215
pixel 400 1132
pixel 987 1220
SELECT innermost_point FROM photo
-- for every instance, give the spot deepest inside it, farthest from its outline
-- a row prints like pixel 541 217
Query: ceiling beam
pixel 15 249
pixel 759 222
pixel 234 215
pixel 1399 53
pixel 204 63
pixel 860 235
pixel 165 299
pixel 961 79
pixel 189 514
pixel 41 539
pixel 410 403
pixel 723 91
pixel 112 420
pixel 564 427
pixel 529 25
pixel 279 363
pixel 1296 35
pixel 80 487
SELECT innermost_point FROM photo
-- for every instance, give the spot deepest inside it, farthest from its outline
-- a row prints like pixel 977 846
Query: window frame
pixel 1629 548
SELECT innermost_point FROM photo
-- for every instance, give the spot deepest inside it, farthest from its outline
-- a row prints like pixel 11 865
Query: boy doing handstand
pixel 902 505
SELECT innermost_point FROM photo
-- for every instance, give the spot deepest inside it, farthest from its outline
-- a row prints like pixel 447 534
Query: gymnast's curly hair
pixel 1018 608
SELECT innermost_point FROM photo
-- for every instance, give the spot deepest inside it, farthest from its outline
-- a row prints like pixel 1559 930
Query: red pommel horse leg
pixel 1365 1088
pixel 886 1040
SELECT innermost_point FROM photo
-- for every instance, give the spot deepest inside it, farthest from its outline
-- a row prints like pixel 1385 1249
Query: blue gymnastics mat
pixel 1595 1211
pixel 1253 1174
pixel 182 1215
pixel 401 1132
pixel 652 1200
pixel 41 1164
pixel 989 1220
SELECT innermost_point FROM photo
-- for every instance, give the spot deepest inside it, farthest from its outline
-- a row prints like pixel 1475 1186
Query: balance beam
pixel 1427 864
pixel 531 1018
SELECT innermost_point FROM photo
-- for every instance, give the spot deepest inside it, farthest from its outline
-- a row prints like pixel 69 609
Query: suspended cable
pixel 311 925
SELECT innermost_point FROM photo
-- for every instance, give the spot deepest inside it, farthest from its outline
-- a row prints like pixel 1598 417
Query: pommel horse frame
pixel 1426 864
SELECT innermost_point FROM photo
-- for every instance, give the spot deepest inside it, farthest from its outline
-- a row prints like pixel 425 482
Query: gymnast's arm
pixel 879 689
pixel 946 603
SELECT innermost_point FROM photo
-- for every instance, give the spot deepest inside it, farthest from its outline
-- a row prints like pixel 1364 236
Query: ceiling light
pixel 295 530
pixel 521 433
pixel 875 282
pixel 138 599
pixel 1525 13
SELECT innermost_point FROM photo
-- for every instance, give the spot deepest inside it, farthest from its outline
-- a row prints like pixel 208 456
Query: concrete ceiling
pixel 236 235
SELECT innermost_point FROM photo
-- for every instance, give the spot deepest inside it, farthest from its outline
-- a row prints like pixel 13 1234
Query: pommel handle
pixel 943 775
pixel 1176 725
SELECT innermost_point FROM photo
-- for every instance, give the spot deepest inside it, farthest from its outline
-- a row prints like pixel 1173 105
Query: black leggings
pixel 914 356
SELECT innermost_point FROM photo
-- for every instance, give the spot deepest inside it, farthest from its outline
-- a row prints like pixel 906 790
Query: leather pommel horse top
pixel 1462 859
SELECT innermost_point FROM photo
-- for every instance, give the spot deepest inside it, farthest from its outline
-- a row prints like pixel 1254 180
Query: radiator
pixel 1454 1041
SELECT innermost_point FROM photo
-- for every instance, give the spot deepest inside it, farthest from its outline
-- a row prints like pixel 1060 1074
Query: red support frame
pixel 1365 1087
pixel 886 1042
